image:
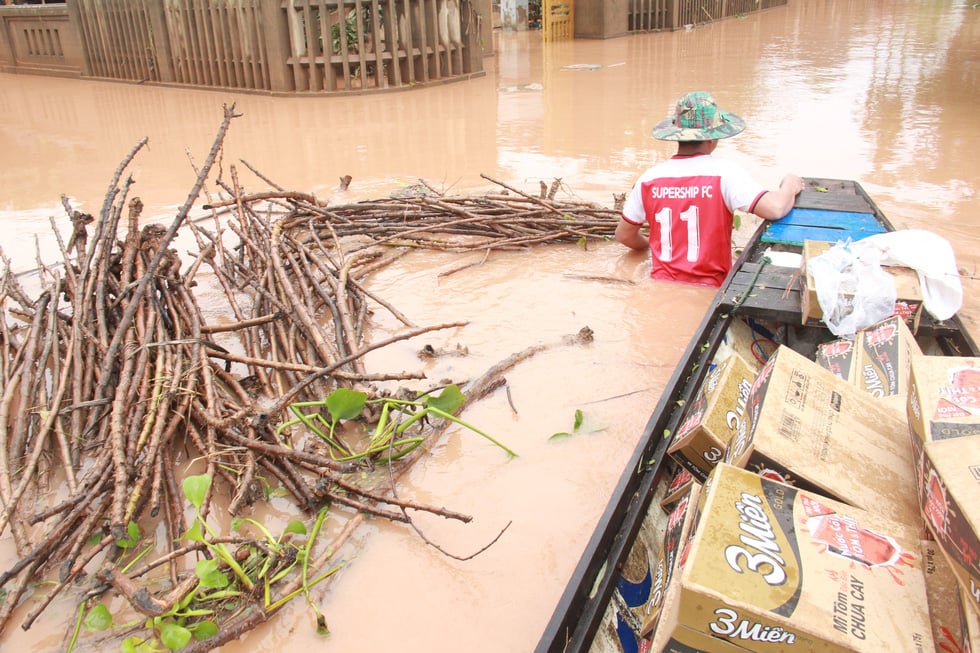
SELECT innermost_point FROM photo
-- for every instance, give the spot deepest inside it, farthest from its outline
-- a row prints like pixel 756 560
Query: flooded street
pixel 884 93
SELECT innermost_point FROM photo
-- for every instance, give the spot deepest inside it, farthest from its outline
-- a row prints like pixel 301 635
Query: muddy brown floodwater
pixel 881 92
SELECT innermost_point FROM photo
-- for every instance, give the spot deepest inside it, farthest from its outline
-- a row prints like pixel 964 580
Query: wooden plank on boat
pixel 831 219
pixel 824 225
pixel 772 293
pixel 840 196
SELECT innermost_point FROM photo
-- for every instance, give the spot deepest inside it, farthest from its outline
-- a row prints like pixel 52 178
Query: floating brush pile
pixel 123 418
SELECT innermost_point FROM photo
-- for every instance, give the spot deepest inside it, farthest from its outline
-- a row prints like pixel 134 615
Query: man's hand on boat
pixel 777 203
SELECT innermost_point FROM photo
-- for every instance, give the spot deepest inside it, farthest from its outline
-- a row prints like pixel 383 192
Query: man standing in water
pixel 689 200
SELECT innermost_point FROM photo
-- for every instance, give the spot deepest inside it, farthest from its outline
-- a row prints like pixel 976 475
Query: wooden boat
pixel 598 610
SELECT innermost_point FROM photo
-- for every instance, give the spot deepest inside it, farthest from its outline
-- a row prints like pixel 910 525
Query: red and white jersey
pixel 689 202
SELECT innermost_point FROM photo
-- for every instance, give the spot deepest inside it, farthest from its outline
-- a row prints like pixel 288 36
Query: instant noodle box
pixel 675 537
pixel 713 417
pixel 804 426
pixel 949 616
pixel 944 420
pixel 876 360
pixel 680 484
pixel 971 635
pixel 769 567
pixel 839 357
pixel 884 352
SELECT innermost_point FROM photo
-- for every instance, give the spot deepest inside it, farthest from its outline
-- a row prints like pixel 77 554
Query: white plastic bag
pixel 853 290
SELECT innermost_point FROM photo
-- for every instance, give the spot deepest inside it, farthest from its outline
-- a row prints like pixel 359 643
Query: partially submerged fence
pixel 289 46
pixel 656 15
pixel 379 43
pixel 303 46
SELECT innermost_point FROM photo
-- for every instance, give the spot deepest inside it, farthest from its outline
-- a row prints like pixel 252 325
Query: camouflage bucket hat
pixel 698 118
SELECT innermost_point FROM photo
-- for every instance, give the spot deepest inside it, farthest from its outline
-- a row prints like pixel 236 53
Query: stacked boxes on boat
pixel 717 409
pixel 769 567
pixel 944 420
pixel 805 427
pixel 954 624
pixel 833 434
pixel 875 360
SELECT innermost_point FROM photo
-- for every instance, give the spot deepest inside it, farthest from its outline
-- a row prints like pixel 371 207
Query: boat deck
pixel 829 211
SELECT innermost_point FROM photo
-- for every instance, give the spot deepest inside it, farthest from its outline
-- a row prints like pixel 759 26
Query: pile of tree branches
pixel 118 399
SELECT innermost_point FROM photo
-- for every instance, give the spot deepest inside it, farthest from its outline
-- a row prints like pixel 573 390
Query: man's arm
pixel 629 234
pixel 774 204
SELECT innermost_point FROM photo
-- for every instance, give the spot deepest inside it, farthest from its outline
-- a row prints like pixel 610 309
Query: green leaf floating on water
pixel 132 536
pixel 448 401
pixel 98 618
pixel 344 403
pixel 209 574
pixel 295 526
pixel 196 488
pixel 174 637
pixel 576 427
pixel 204 629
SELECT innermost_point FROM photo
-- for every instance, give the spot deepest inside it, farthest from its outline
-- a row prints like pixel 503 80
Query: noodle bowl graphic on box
pixel 843 537
pixel 773 474
pixel 881 334
pixel 963 393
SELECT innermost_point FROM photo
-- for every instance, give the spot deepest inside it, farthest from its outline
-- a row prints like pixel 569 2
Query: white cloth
pixel 931 256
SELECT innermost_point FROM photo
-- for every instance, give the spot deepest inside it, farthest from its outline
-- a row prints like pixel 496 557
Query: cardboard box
pixel 675 537
pixel 944 397
pixel 949 480
pixel 679 485
pixel 946 607
pixel 769 567
pixel 944 421
pixel 884 353
pixel 839 357
pixel 640 578
pixel 971 625
pixel 908 303
pixel 687 640
pixel 806 427
pixel 713 417
pixel 875 360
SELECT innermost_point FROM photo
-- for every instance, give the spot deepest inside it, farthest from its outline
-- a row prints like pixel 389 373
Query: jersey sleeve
pixel 740 191
pixel 633 207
